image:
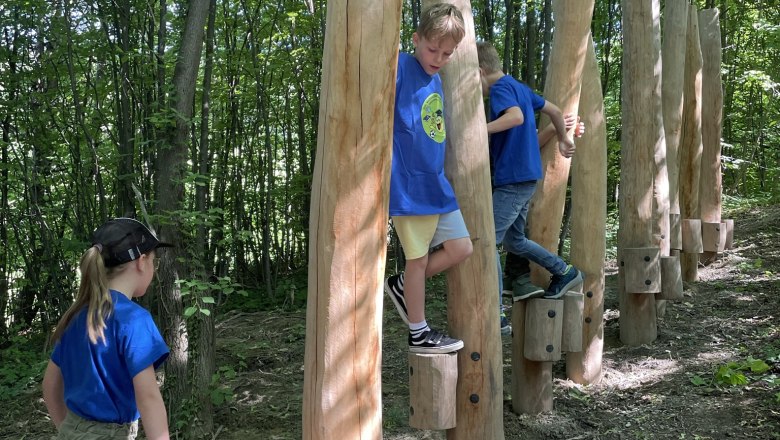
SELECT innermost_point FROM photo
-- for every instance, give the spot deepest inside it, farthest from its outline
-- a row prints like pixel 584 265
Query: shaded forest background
pixel 201 118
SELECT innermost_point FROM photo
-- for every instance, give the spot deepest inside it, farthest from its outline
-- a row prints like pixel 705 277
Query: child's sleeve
pixel 502 98
pixel 143 345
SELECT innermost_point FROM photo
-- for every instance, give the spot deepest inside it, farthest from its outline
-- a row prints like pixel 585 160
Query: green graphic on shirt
pixel 432 116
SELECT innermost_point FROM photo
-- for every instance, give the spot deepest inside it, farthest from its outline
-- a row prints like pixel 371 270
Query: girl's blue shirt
pixel 99 377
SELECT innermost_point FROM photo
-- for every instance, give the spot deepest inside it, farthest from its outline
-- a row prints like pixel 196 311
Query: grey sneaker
pixel 523 288
pixel 560 284
pixel 434 341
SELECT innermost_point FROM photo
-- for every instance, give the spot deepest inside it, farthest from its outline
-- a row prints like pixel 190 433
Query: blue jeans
pixel 510 210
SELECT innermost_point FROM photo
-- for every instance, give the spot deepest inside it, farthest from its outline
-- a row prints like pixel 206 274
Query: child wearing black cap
pixel 100 378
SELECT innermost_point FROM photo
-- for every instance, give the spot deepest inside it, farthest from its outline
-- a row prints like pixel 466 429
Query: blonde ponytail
pixel 93 294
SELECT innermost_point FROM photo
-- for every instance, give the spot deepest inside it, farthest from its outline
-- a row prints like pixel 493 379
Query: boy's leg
pixel 515 266
pixel 452 235
pixel 510 208
pixel 414 289
pixel 564 276
pixel 407 290
pixel 453 252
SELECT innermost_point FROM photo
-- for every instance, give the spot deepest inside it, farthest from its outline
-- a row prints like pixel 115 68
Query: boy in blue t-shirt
pixel 517 164
pixel 423 207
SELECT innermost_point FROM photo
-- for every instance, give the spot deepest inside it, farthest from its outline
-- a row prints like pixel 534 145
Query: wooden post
pixel 562 88
pixel 691 236
pixel 710 186
pixel 573 306
pixel 543 329
pixel 642 130
pixel 348 224
pixel 589 201
pixel 642 269
pixel 690 144
pixel 472 302
pixel 432 382
pixel 729 244
pixel 671 278
pixel 673 57
pixel 531 381
pixel 713 237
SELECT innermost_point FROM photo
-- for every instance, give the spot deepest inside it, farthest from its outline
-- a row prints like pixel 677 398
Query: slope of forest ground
pixel 694 382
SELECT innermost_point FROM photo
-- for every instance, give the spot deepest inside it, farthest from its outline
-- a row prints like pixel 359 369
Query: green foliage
pixel 737 374
pixel 200 293
pixel 21 365
pixel 221 394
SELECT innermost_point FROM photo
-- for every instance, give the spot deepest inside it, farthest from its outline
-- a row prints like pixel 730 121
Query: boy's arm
pixel 54 394
pixel 565 145
pixel 569 120
pixel 511 117
pixel 150 405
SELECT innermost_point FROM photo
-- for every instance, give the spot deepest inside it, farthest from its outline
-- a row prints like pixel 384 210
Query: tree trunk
pixel 661 177
pixel 710 185
pixel 673 54
pixel 691 142
pixel 342 384
pixel 126 145
pixel 547 21
pixel 510 28
pixel 530 47
pixel 588 234
pixel 205 354
pixel 472 302
pixel 641 131
pixel 563 85
pixel 172 168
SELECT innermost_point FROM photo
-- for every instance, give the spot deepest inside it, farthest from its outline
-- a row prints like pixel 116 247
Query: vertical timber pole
pixel 641 103
pixel 532 394
pixel 690 144
pixel 673 56
pixel 588 227
pixel 348 224
pixel 562 88
pixel 710 184
pixel 472 300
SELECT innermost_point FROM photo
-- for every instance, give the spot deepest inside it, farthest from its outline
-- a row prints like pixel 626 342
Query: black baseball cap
pixel 121 240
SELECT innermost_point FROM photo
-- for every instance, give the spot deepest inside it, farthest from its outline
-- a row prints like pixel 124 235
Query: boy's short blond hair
pixel 442 20
pixel 488 57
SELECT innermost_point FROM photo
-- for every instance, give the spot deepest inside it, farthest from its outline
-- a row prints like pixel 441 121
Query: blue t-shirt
pixel 99 377
pixel 418 185
pixel 514 153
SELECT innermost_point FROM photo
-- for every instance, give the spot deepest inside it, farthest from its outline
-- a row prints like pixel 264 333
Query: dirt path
pixel 665 390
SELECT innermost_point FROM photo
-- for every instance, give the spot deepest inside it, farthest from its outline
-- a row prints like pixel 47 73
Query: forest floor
pixel 678 387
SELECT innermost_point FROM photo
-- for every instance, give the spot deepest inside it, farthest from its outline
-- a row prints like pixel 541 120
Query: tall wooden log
pixel 532 388
pixel 710 186
pixel 562 88
pixel 673 74
pixel 661 211
pixel 691 143
pixel 589 201
pixel 472 303
pixel 342 383
pixel 642 128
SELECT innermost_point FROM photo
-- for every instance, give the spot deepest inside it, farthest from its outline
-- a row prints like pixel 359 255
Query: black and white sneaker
pixel 434 341
pixel 394 286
